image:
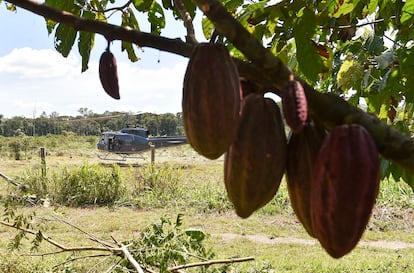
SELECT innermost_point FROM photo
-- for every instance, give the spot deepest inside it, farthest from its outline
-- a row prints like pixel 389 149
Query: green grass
pixel 183 182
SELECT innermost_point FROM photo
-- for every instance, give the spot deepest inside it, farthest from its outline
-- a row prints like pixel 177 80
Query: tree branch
pixel 264 69
pixel 131 258
pixel 188 21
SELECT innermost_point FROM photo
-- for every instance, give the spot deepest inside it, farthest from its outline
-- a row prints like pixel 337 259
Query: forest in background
pixel 88 123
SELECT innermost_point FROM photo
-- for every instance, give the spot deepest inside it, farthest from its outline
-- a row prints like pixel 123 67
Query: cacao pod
pixel 345 187
pixel 254 164
pixel 108 74
pixel 303 149
pixel 295 105
pixel 211 100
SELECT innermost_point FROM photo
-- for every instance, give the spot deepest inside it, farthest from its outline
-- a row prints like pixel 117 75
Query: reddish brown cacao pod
pixel 108 74
pixel 295 105
pixel 303 149
pixel 255 162
pixel 211 100
pixel 345 187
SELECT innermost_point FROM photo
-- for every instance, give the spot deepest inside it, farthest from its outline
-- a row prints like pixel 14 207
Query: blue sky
pixel 35 78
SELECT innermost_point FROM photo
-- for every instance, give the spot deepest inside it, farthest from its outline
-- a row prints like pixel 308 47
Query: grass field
pixel 182 182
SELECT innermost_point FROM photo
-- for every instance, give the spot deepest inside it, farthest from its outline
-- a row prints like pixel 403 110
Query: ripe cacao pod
pixel 295 105
pixel 345 187
pixel 108 74
pixel 211 100
pixel 254 164
pixel 303 149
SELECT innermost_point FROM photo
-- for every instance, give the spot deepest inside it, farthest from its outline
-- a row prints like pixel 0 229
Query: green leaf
pixel 130 50
pixel 374 45
pixel 129 19
pixel 167 4
pixel 339 8
pixel 143 5
pixel 372 6
pixel 207 27
pixel 195 234
pixel 350 74
pixel 408 178
pixel 86 42
pixel 156 17
pixel 310 62
pixel 50 25
pixel 11 7
pixel 64 39
pixel 85 45
pixel 179 220
pixel 232 5
pixel 385 60
pixel 407 16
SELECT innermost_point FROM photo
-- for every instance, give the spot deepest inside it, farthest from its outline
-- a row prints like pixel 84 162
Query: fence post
pixel 152 148
pixel 43 160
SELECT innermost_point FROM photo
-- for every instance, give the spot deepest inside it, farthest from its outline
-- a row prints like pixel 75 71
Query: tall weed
pixel 89 185
pixel 158 186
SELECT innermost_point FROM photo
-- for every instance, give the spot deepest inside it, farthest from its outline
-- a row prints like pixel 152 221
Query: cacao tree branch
pixel 110 31
pixel 329 109
pixel 188 21
pixel 265 69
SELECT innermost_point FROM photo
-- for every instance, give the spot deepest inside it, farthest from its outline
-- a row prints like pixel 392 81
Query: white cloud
pixel 35 64
pixel 44 81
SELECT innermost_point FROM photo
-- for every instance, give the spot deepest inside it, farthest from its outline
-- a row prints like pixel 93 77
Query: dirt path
pixel 392 245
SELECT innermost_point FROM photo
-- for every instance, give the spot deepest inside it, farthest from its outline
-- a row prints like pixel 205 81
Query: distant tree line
pixel 89 123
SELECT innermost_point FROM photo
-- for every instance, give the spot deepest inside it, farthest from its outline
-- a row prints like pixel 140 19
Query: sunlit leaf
pixel 143 5
pixel 340 8
pixel 350 74
pixel 207 27
pixel 156 18
pixel 407 16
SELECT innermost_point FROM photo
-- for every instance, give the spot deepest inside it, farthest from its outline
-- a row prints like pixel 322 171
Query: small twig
pixel 121 8
pixel 80 258
pixel 188 21
pixel 130 258
pixel 8 179
pixel 91 236
pixel 210 262
pixel 356 25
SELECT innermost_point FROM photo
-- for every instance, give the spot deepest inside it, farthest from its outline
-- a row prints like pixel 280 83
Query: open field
pixel 183 182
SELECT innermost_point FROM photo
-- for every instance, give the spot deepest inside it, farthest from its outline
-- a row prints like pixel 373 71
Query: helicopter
pixel 131 141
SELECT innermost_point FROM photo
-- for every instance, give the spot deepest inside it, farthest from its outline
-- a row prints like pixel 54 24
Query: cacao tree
pixel 353 58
